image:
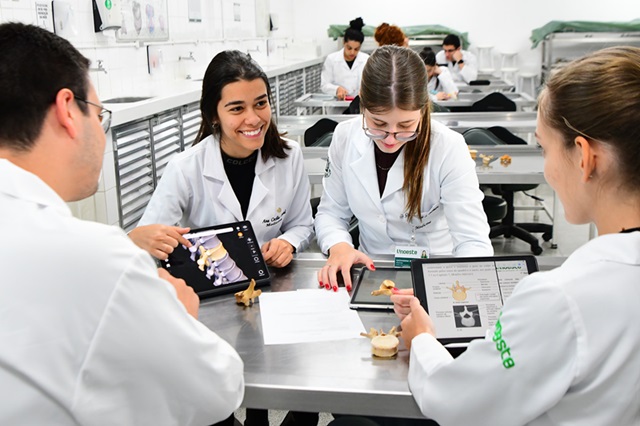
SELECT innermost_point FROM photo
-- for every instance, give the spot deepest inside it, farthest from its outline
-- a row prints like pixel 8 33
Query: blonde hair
pixel 395 77
pixel 598 97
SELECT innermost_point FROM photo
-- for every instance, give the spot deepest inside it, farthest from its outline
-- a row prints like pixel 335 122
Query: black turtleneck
pixel 384 162
pixel 241 173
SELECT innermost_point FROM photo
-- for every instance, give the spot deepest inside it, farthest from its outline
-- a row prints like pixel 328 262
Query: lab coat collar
pixel 395 177
pixel 260 190
pixel 365 168
pixel 618 248
pixel 19 183
pixel 361 59
pixel 214 169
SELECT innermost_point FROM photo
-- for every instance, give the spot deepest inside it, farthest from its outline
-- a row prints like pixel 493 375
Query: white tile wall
pixel 126 63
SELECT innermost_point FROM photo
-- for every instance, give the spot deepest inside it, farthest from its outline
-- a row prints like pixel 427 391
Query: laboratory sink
pixel 126 99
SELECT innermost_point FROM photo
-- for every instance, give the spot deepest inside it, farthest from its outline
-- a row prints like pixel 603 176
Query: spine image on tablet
pixel 221 259
pixel 212 256
pixel 464 296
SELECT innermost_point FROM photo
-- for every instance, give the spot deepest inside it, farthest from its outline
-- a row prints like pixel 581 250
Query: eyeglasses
pixel 379 134
pixel 104 115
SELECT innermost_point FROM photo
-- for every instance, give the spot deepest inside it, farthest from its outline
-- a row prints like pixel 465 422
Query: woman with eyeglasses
pixel 565 350
pixel 408 180
pixel 239 168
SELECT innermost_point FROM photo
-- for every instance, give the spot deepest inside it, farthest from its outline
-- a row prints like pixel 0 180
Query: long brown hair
pixel 395 77
pixel 227 67
pixel 598 97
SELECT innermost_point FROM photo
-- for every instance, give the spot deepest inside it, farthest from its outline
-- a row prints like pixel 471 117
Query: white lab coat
pixel 441 83
pixel 90 335
pixel 453 220
pixel 336 72
pixel 573 334
pixel 468 73
pixel 194 191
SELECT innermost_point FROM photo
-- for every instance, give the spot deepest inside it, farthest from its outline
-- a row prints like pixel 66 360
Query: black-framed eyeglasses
pixel 104 114
pixel 379 134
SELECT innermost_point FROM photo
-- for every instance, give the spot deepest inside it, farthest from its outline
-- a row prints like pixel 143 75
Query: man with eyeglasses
pixel 90 331
pixel 462 64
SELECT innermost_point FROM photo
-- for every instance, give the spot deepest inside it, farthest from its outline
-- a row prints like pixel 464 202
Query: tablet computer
pixel 222 259
pixel 367 281
pixel 464 295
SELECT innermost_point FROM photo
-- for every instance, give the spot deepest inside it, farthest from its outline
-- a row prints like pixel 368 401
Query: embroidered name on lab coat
pixel 274 220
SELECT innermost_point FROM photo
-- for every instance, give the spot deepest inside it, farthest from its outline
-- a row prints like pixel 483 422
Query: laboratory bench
pixel 337 377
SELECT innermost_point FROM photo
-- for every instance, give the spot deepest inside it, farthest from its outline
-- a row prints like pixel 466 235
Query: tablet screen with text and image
pixel 464 296
pixel 367 282
pixel 222 259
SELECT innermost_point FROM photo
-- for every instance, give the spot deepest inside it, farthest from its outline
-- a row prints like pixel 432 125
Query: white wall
pixel 126 63
pixel 480 18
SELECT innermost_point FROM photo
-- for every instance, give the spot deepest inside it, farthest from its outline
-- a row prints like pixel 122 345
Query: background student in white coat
pixel 239 168
pixel 565 349
pixel 462 64
pixel 407 179
pixel 342 70
pixel 91 332
pixel 441 85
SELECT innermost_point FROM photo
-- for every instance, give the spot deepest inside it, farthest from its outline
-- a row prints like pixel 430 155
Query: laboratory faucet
pixel 100 67
pixel 187 58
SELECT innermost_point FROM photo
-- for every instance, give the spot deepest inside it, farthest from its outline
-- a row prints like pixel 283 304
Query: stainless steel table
pixel 318 100
pixel 522 100
pixel 493 86
pixel 527 164
pixel 338 377
pixel 517 122
pixel 321 100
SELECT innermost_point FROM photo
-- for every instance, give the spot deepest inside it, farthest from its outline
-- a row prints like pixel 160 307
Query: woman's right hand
pixel 159 240
pixel 401 299
pixel 341 258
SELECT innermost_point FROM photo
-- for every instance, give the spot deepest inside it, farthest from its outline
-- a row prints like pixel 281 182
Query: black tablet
pixel 222 259
pixel 464 295
pixel 367 281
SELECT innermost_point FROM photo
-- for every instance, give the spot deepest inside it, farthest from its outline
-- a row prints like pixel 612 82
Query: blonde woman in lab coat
pixel 565 348
pixel 407 179
pixel 342 70
pixel 238 169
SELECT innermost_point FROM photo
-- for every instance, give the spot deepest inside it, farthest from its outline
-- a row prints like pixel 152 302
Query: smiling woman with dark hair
pixel 239 168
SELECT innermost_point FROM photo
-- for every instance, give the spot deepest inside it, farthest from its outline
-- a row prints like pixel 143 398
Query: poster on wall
pixel 144 20
pixel 238 17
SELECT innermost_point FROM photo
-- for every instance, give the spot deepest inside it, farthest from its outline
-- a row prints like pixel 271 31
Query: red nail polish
pixel 372 267
pixel 348 288
pixel 327 286
pixel 335 288
pixel 394 290
pixel 321 285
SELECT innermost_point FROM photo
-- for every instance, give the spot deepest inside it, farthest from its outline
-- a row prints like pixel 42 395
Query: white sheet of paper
pixel 308 316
